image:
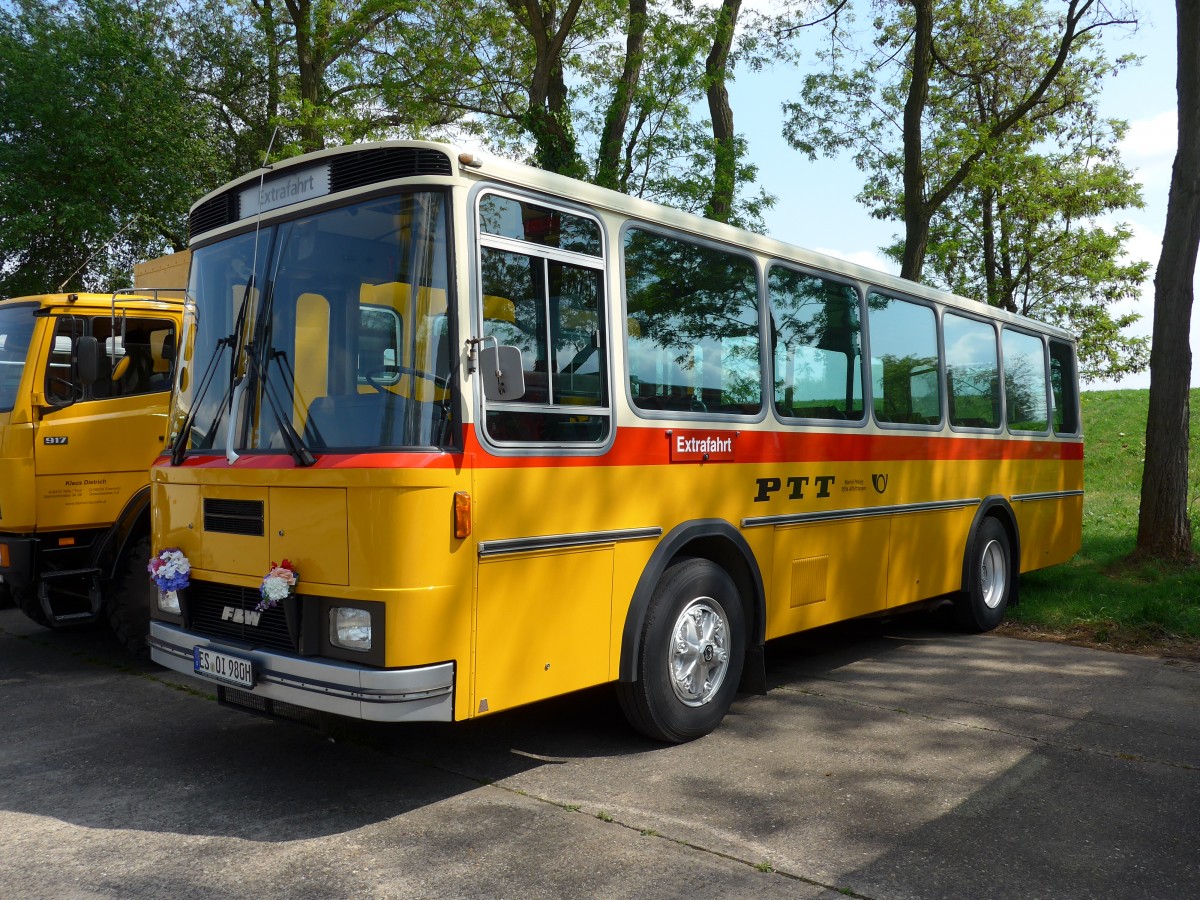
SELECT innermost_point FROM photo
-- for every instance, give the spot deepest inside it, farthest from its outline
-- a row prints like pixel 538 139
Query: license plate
pixel 222 667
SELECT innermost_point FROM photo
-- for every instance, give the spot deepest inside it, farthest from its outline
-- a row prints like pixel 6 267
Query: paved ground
pixel 888 760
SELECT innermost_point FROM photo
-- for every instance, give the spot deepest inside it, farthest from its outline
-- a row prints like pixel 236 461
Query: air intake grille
pixel 220 210
pixel 243 517
pixel 383 164
pixel 346 171
pixel 226 611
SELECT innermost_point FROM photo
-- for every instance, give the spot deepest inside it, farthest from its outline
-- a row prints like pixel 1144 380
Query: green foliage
pixel 99 142
pixel 1097 596
pixel 1017 169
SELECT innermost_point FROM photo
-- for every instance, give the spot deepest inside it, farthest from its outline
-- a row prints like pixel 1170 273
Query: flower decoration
pixel 169 570
pixel 278 584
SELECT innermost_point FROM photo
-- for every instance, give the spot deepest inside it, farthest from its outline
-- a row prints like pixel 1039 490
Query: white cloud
pixel 867 258
pixel 1149 149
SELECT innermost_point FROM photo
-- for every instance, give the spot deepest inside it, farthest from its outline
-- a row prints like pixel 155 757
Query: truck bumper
pixel 18 551
pixel 422 694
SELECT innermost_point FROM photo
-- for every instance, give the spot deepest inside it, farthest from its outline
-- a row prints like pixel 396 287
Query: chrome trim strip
pixel 563 541
pixel 424 693
pixel 863 512
pixel 1045 495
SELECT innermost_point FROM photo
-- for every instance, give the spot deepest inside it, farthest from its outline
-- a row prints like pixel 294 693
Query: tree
pixel 976 124
pixel 1025 235
pixel 1164 530
pixel 101 148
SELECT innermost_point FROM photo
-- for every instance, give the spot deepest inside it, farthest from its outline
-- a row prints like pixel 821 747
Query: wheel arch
pixel 131 524
pixel 713 539
pixel 995 507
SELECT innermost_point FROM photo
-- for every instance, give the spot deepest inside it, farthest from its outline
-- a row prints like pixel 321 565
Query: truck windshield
pixel 345 334
pixel 16 331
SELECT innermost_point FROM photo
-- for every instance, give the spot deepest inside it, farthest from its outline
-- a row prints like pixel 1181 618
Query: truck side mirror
pixel 87 360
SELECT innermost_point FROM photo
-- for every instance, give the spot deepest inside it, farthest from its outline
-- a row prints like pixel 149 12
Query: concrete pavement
pixel 887 760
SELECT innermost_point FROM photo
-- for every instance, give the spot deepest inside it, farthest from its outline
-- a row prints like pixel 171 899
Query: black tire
pixel 990 579
pixel 6 599
pixel 690 660
pixel 130 597
pixel 27 602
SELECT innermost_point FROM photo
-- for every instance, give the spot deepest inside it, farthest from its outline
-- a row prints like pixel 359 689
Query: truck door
pixel 94 444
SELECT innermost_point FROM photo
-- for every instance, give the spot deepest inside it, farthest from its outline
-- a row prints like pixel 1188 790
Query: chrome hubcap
pixel 699 651
pixel 993 574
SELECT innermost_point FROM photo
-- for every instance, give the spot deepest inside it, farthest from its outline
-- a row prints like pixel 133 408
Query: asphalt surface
pixel 887 760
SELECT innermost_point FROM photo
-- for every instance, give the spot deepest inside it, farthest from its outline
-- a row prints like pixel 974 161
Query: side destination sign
pixel 701 446
pixel 303 185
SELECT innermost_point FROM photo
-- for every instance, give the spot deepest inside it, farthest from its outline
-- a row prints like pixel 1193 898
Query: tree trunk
pixel 720 204
pixel 1164 531
pixel 916 215
pixel 548 116
pixel 608 163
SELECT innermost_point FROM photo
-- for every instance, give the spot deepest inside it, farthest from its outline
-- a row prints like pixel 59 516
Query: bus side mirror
pixel 503 374
pixel 87 360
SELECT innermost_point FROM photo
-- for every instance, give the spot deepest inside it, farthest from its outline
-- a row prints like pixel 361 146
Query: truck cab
pixel 85 383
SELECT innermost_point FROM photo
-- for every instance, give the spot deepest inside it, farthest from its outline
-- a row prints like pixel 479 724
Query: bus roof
pixel 455 165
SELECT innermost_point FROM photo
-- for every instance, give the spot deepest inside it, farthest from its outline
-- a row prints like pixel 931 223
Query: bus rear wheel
pixel 990 577
pixel 692 651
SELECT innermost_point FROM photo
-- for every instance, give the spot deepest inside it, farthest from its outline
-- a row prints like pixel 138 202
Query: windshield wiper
pixel 295 444
pixel 179 445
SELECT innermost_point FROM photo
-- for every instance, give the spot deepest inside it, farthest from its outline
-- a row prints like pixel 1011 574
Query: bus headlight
pixel 168 602
pixel 350 628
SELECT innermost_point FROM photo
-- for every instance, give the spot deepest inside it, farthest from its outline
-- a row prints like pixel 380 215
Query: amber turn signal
pixel 462 514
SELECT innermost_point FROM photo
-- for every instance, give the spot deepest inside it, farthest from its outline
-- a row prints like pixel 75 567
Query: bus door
pixel 543 619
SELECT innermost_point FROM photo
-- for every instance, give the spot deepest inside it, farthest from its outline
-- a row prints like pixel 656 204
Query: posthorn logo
pixel 879 480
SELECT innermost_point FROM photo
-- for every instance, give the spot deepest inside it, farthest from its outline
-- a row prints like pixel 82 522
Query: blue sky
pixel 816 206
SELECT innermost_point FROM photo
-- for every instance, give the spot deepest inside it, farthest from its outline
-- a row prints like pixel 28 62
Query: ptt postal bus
pixel 451 435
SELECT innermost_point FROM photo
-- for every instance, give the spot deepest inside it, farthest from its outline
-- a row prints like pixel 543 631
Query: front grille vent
pixel 243 517
pixel 227 611
pixel 346 171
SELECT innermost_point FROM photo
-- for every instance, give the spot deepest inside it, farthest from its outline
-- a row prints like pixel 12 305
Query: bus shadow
pixel 111 743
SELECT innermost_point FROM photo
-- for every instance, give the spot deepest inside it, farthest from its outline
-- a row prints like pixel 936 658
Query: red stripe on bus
pixel 652 446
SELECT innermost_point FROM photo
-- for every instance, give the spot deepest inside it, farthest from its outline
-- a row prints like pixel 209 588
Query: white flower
pixel 275 589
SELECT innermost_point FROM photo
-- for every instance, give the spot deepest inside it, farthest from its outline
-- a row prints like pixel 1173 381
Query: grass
pixel 1099 598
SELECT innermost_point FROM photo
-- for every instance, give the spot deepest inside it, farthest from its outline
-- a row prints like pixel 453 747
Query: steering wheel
pixel 393 372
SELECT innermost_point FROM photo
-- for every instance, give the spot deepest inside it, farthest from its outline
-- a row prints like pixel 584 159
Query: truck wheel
pixel 989 579
pixel 6 599
pixel 690 661
pixel 130 598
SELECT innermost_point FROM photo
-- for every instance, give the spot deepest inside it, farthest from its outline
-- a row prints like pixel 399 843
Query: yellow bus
pixel 453 435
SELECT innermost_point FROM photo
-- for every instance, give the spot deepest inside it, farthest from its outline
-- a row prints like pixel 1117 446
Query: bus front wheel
pixel 691 655
pixel 990 577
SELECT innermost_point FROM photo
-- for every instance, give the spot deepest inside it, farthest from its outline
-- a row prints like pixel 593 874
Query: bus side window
pixel 1025 382
pixel 904 361
pixel 816 351
pixel 1062 384
pixel 693 327
pixel 972 372
pixel 549 305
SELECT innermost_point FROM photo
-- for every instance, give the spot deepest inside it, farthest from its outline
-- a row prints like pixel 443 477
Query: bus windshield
pixel 16 331
pixel 329 332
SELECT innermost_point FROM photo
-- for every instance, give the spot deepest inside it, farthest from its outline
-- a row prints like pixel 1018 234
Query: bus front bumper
pixel 424 694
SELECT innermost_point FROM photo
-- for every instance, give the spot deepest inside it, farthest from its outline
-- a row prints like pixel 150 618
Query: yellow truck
pixel 85 383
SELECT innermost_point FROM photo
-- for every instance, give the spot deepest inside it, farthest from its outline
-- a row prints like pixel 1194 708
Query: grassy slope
pixel 1097 598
